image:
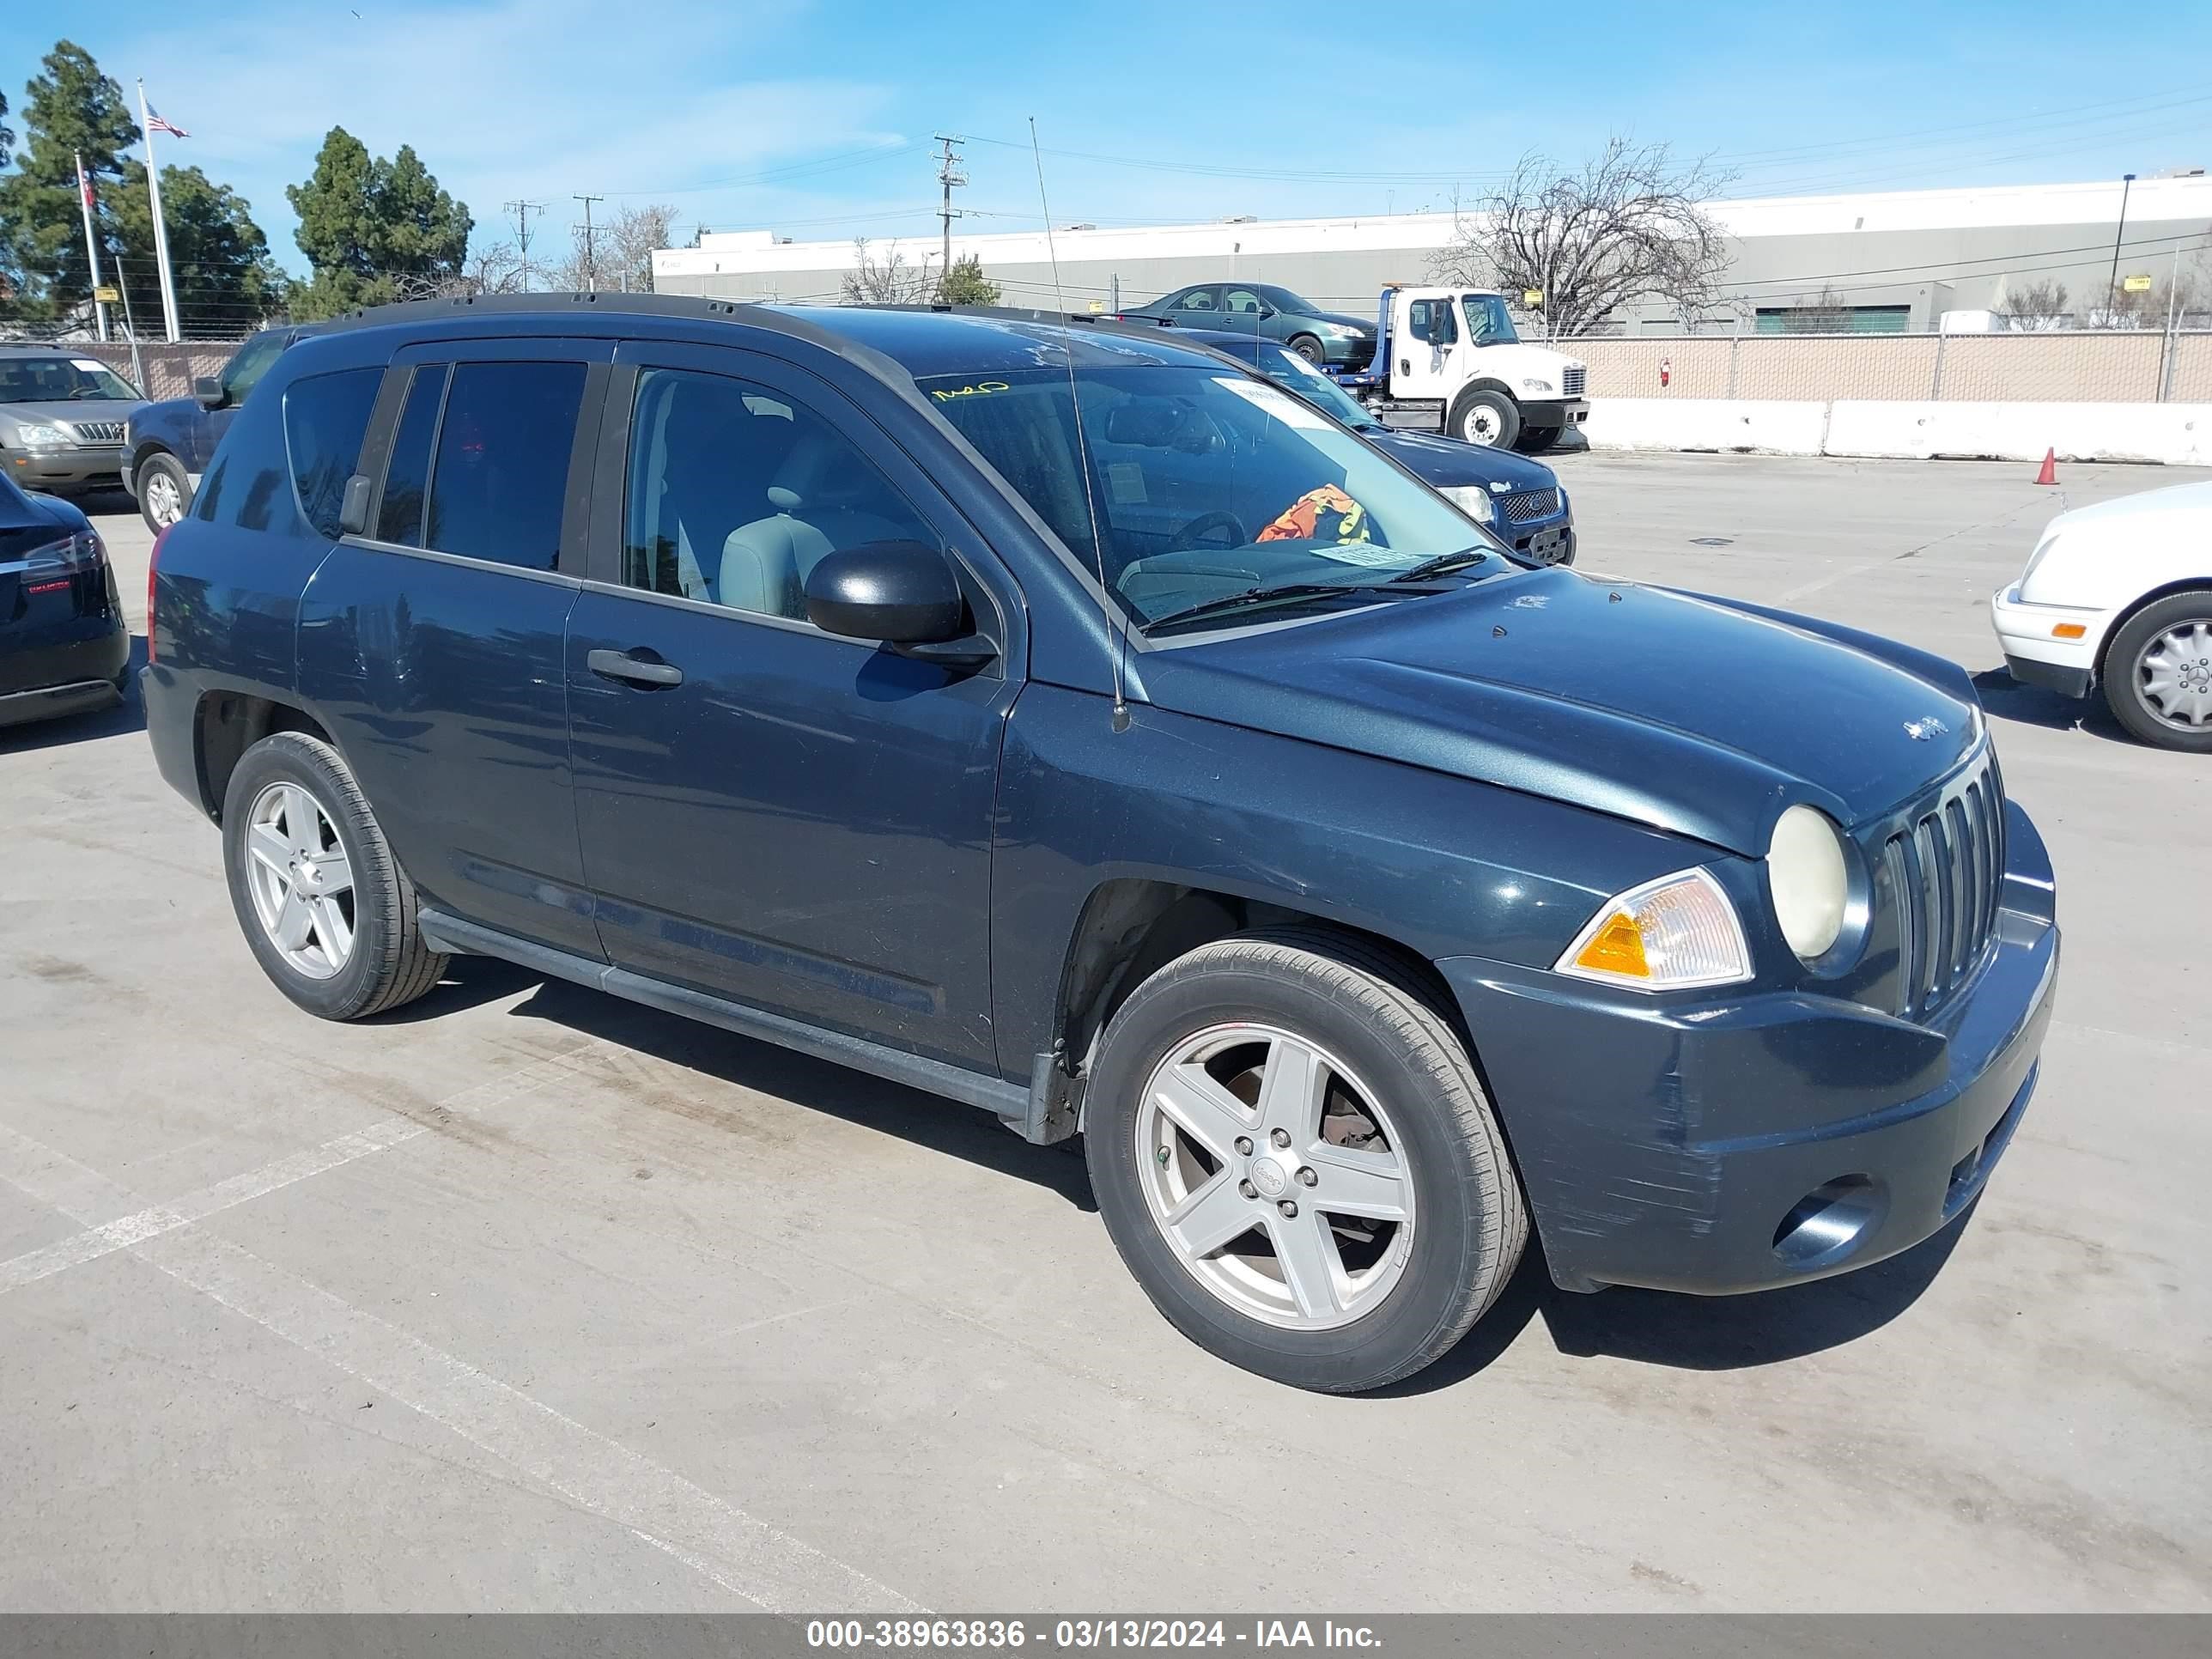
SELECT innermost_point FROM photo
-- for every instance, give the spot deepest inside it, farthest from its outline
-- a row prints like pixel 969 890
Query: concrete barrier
pixel 2176 434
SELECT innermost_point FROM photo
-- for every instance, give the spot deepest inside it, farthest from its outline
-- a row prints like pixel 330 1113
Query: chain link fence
pixel 169 370
pixel 2100 366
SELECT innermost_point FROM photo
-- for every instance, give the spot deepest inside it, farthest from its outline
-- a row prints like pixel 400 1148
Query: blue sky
pixel 814 119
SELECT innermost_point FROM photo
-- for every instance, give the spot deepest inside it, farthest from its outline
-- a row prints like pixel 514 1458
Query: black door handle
pixel 618 665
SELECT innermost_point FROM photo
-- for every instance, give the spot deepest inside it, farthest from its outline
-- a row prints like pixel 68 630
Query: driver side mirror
pixel 903 593
pixel 210 393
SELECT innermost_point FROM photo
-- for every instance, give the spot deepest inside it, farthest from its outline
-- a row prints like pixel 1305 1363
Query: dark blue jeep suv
pixel 1075 726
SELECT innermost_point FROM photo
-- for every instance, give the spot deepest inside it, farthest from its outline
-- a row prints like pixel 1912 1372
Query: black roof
pixel 923 341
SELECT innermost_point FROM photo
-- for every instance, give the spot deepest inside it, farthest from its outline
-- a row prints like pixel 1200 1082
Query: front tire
pixel 1486 416
pixel 1293 1155
pixel 324 906
pixel 1539 439
pixel 165 493
pixel 2158 673
pixel 1309 348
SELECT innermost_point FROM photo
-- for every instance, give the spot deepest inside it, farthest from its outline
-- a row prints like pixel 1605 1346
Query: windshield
pixel 1206 482
pixel 1288 369
pixel 1488 322
pixel 60 380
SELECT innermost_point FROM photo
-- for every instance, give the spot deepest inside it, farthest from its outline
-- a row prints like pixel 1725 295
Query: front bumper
pixel 1686 1144
pixel 2035 654
pixel 73 464
pixel 1562 412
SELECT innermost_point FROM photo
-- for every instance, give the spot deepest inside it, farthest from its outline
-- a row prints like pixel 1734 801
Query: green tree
pixel 965 284
pixel 70 109
pixel 375 230
pixel 219 258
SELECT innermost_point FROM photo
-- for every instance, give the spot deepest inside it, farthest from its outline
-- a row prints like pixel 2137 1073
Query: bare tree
pixel 2037 306
pixel 626 243
pixel 889 281
pixel 2186 294
pixel 1626 225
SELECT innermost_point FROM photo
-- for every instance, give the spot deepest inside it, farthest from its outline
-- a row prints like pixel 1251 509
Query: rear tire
pixel 324 906
pixel 2158 673
pixel 1309 348
pixel 165 493
pixel 1314 1076
pixel 1486 416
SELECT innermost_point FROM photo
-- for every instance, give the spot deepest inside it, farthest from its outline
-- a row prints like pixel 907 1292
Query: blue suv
pixel 1076 726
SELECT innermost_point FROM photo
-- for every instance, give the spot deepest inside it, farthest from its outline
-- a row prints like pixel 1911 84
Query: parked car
pixel 1318 335
pixel 1065 723
pixel 64 648
pixel 62 416
pixel 169 443
pixel 2119 596
pixel 1518 500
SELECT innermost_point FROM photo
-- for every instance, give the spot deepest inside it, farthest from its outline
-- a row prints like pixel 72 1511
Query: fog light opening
pixel 1831 1221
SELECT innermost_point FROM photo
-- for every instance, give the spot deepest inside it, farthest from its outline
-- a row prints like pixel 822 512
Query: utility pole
pixel 948 175
pixel 591 264
pixel 522 211
pixel 2112 282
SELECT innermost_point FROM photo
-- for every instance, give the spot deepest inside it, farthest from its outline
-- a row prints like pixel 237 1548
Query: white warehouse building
pixel 1890 261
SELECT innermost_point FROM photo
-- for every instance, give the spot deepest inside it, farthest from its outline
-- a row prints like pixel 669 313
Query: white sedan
pixel 2120 595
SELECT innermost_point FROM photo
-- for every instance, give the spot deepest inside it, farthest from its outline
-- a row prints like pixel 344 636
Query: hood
pixel 1364 325
pixel 1447 461
pixel 1693 715
pixel 2189 498
pixel 72 409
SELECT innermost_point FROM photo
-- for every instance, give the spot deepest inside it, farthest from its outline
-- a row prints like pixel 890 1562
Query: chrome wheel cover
pixel 1274 1178
pixel 301 880
pixel 2173 672
pixel 165 502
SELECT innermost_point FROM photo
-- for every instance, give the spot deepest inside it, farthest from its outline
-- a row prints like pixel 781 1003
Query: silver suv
pixel 62 418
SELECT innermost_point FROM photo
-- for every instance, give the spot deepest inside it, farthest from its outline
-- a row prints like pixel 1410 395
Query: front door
pixel 787 818
pixel 1427 350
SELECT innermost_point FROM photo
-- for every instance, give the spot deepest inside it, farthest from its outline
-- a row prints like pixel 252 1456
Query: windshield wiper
pixel 1285 591
pixel 1442 565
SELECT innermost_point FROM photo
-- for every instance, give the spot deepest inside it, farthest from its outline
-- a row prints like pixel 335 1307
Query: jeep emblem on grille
pixel 1925 731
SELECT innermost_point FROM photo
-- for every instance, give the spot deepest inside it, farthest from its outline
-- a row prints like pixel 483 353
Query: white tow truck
pixel 1454 355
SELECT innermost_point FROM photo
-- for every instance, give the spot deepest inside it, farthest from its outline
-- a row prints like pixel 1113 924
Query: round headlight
pixel 1470 499
pixel 1811 885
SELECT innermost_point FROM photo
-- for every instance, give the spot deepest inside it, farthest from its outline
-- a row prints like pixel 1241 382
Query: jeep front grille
pixel 1527 506
pixel 1947 868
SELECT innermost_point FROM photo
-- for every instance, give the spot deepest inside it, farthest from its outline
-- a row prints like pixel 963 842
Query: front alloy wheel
pixel 1274 1177
pixel 2158 673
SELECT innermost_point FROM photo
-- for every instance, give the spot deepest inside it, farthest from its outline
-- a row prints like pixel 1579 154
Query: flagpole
pixel 160 229
pixel 91 247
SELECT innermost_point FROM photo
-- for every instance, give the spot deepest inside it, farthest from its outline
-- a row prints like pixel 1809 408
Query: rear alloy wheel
pixel 1293 1156
pixel 164 493
pixel 1487 417
pixel 2158 673
pixel 325 908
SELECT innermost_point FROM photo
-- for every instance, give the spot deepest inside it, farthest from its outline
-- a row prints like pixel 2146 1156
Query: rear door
pixel 435 638
pixel 770 813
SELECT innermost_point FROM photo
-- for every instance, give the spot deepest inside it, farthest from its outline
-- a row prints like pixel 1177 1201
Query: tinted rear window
pixel 325 417
pixel 502 462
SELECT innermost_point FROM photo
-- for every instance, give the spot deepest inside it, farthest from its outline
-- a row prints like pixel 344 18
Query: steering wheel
pixel 1187 536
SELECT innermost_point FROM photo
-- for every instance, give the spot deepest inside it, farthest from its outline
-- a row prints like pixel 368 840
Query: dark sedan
pixel 64 648
pixel 1519 499
pixel 1271 312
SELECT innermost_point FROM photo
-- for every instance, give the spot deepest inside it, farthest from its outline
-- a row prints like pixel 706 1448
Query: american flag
pixel 155 124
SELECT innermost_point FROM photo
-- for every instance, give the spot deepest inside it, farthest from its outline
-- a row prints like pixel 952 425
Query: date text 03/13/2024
pixel 990 1634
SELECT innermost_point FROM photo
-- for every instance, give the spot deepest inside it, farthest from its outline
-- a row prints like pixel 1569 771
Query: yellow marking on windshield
pixel 980 389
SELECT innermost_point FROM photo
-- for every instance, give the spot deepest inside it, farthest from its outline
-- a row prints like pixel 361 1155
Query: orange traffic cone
pixel 2048 474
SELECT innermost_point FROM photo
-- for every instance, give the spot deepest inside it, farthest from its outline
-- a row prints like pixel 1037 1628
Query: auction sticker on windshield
pixel 1272 400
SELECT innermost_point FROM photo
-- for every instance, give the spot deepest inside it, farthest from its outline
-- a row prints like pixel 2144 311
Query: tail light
pixel 53 567
pixel 153 569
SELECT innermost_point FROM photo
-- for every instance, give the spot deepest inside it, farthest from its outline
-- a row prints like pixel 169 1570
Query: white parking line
pixel 752 1560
